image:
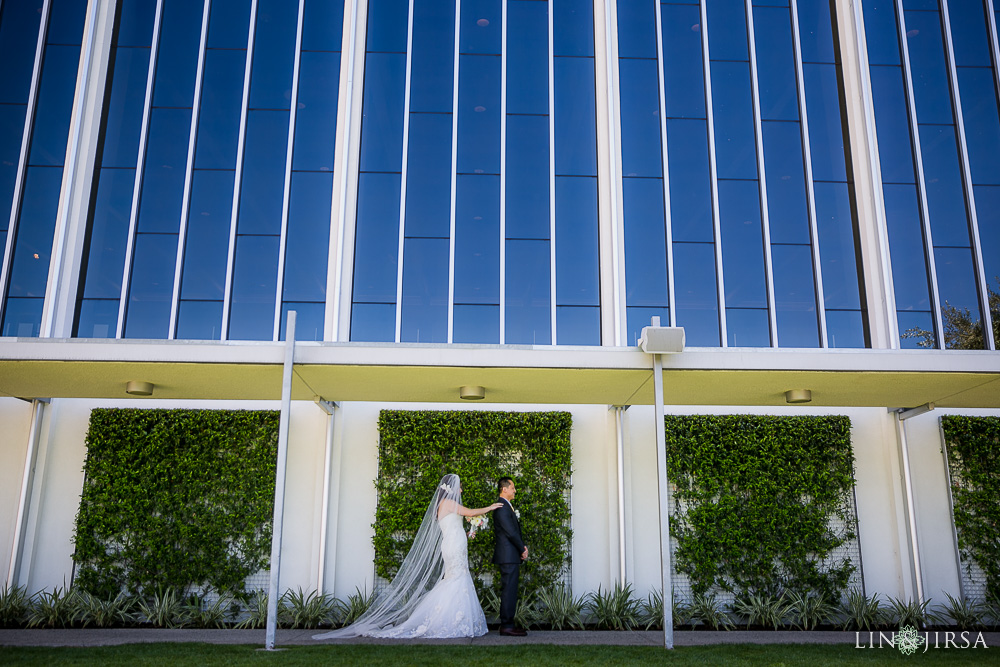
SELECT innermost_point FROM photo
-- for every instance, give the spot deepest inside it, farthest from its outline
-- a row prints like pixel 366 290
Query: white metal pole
pixel 911 518
pixel 27 483
pixel 279 481
pixel 619 428
pixel 329 408
pixel 661 471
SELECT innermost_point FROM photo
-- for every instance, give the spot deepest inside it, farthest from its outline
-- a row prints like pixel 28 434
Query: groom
pixel 508 554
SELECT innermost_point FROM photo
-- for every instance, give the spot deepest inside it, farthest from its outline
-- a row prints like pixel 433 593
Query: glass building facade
pixel 525 172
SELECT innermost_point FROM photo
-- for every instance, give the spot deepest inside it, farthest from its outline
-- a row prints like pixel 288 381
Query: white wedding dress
pixel 451 608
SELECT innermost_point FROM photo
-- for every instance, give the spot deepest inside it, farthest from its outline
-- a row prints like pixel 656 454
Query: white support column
pixel 620 433
pixel 330 408
pixel 663 496
pixel 279 481
pixel 911 518
pixel 27 483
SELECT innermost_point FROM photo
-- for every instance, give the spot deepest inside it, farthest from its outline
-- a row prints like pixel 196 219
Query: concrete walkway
pixel 112 637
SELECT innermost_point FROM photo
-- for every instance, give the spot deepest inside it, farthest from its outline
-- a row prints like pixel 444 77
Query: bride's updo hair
pixel 449 488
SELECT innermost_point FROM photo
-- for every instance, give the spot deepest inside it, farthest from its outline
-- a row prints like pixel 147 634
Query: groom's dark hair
pixel 504 483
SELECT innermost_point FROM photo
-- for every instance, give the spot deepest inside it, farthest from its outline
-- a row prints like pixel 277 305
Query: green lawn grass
pixel 357 655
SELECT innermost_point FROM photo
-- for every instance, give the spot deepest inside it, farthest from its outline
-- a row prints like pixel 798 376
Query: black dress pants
pixel 509 575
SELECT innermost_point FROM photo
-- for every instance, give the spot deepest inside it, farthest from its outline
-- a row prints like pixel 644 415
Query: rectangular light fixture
pixel 662 340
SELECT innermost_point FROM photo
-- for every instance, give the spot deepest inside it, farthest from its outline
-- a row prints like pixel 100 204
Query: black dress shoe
pixel 513 632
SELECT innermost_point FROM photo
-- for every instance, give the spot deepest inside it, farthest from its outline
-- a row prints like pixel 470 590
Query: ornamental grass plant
pixel 614 609
pixel 14 606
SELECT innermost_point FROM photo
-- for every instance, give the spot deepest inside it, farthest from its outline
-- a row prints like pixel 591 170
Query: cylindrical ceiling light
pixel 139 388
pixel 798 396
pixel 472 393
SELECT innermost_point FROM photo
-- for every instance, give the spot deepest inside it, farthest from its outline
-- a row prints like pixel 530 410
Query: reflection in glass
pixel 742 245
pixel 477 324
pixel 428 176
pixel 794 295
pixel 578 325
pixel 527 195
pixel 255 277
pixel 477 244
pixel 424 317
pixel 151 286
pixel 696 296
pixel 577 270
pixel 575 117
pixel 527 307
pixel 747 327
pixel 376 240
pixel 645 243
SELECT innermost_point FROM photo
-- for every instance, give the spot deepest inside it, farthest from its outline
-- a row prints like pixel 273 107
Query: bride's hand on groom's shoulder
pixel 496 506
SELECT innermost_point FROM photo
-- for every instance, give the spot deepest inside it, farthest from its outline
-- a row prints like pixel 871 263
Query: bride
pixel 432 593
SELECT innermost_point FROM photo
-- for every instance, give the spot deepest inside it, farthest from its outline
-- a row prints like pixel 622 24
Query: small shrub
pixel 357 604
pixel 808 611
pixel 165 609
pixel 14 606
pixel 964 613
pixel 861 612
pixel 309 611
pixel 616 609
pixel 557 607
pixel 909 612
pixel 490 602
pixel 681 613
pixel 55 609
pixel 651 611
pixel 760 609
pixel 116 612
pixel 200 614
pixel 707 609
pixel 526 615
pixel 256 611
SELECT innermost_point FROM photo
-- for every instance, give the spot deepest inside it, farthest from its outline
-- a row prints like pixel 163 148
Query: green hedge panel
pixel 754 497
pixel 417 448
pixel 175 498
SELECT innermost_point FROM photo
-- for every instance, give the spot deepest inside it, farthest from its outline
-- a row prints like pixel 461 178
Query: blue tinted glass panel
pixel 308 239
pixel 477 241
pixel 727 30
pixel 880 32
pixel 55 102
pixel 219 117
pixel 845 328
pixel 98 318
pixel 18 39
pixel 11 128
pixel 229 24
pixel 775 64
pixel 645 243
pixel 66 22
pixel 273 54
pixel 255 276
pixel 576 325
pixel 527 193
pixel 32 249
pixel 206 250
pixel 177 59
pixel 747 327
pixel 982 124
pixel 927 67
pixel 22 317
pixel 377 239
pixel 577 270
pixel 108 233
pixel 988 217
pixel 151 286
pixel 373 322
pixel 479 115
pixel 816 32
pixel 382 125
pixel 387 21
pixel 795 296
pixel 636 30
pixel 638 317
pixel 316 118
pixel 742 245
pixel 428 176
pixel 323 25
pixel 424 315
pixel 575 119
pixel 695 293
pixel 837 246
pixel 640 118
pixel 573 31
pixel 945 197
pixel 956 284
pixel 432 61
pixel 826 131
pixel 308 320
pixel 477 324
pixel 262 188
pixel 690 180
pixel 528 297
pixel 892 121
pixel 163 173
pixel 527 57
pixel 683 73
pixel 734 126
pixel 199 320
pixel 788 215
pixel 969 33
pixel 480 32
pixel 916 329
pixel 124 115
pixel 909 269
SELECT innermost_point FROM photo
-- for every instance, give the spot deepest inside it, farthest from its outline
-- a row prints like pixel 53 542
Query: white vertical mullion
pixel 970 197
pixel 552 178
pixel 667 219
pixel 810 189
pixel 503 172
pixel 454 177
pixel 921 186
pixel 286 194
pixel 133 222
pixel 238 177
pixel 714 178
pixel 189 173
pixel 772 317
pixel 616 186
pixel 402 176
pixel 22 162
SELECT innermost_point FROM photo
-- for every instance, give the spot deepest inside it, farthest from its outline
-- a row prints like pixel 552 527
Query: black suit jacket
pixel 507 531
